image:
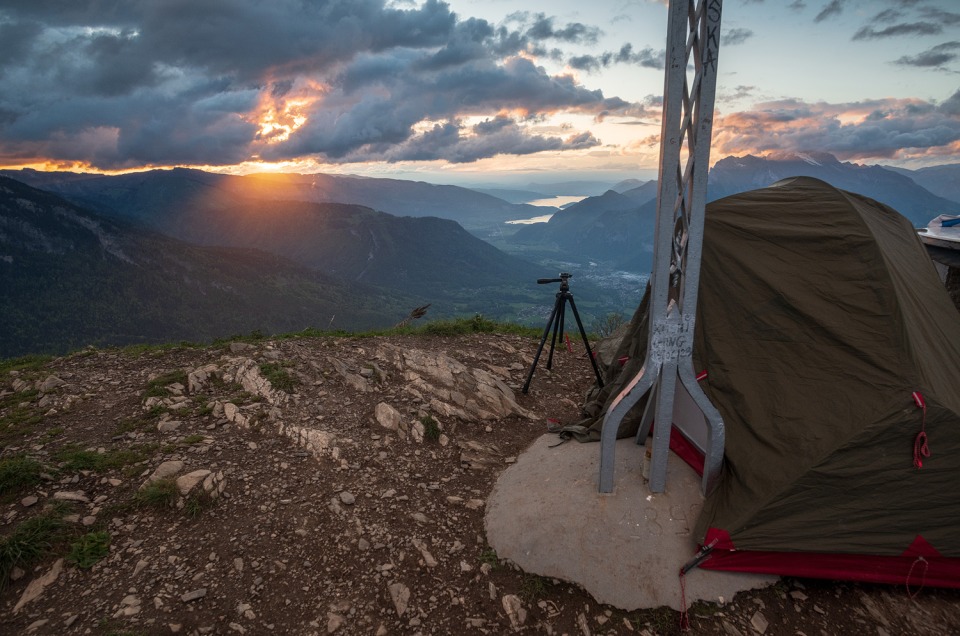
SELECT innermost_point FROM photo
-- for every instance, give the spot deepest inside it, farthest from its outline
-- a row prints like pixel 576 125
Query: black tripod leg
pixel 533 367
pixel 586 343
pixel 557 328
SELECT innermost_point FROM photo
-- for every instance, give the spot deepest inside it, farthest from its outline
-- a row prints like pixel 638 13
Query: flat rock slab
pixel 624 548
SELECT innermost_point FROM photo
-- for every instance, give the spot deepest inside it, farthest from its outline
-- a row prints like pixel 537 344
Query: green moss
pixel 87 550
pixel 157 387
pixel 278 376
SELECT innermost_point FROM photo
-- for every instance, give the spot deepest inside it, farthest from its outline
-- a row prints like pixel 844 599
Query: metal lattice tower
pixel 693 41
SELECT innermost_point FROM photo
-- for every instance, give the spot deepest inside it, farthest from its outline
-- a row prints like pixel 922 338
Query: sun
pixel 278 122
pixel 278 117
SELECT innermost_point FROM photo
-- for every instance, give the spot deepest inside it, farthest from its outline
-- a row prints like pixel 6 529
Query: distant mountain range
pixel 617 227
pixel 943 181
pixel 273 265
pixel 70 277
pixel 352 242
pixel 185 254
pixel 148 194
pixel 613 228
pixel 896 188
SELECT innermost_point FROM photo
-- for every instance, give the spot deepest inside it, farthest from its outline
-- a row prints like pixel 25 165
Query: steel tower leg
pixel 693 38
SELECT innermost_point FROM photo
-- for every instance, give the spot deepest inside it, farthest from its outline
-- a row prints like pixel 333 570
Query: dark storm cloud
pixel 736 36
pixel 15 41
pixel 121 84
pixel 350 125
pixel 489 138
pixel 647 58
pixel 935 57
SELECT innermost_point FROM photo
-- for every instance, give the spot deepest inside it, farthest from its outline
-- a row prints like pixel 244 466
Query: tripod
pixel 556 321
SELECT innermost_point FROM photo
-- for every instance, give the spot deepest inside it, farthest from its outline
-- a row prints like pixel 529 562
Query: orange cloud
pixel 872 129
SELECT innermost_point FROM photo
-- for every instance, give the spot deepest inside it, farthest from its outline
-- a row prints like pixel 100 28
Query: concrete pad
pixel 625 548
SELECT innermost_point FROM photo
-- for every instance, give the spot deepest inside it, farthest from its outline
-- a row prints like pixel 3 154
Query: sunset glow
pixel 466 87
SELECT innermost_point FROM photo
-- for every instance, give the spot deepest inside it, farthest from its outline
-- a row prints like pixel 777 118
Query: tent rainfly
pixel 831 349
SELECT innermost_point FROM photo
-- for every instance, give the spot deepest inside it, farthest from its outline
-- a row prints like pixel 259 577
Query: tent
pixel 831 349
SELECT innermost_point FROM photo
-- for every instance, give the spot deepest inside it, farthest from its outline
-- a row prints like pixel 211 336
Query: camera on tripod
pixel 555 322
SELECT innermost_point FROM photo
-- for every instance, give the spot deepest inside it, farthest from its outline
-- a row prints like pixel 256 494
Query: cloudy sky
pixel 464 90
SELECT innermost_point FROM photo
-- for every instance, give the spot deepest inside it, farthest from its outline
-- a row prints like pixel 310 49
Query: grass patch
pixel 108 627
pixel 193 439
pixel 74 458
pixel 278 376
pixel 23 363
pixel 463 326
pixel 157 387
pixel 533 588
pixel 137 350
pixel 704 609
pixel 663 620
pixel 196 503
pixel 54 432
pixel 131 425
pixel 158 494
pixel 18 473
pixel 431 429
pixel 31 540
pixel 489 556
pixel 157 410
pixel 18 421
pixel 87 550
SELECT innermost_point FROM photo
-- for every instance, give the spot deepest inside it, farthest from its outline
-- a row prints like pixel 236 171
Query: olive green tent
pixel 832 352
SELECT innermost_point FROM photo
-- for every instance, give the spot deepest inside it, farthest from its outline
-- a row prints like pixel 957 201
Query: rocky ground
pixel 319 486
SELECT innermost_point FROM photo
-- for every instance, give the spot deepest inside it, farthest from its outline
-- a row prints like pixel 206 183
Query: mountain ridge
pixel 732 175
pixel 143 192
pixel 70 278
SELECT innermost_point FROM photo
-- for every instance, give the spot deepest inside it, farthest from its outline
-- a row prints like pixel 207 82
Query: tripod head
pixel 563 280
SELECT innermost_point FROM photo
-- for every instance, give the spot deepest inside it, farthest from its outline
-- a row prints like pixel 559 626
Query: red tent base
pixel 920 565
pixel 912 571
